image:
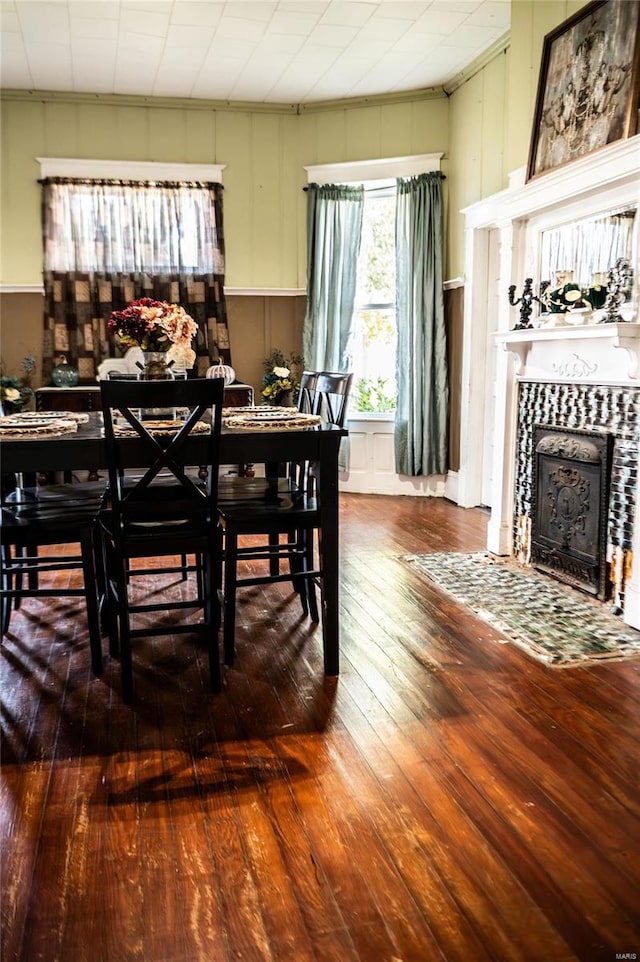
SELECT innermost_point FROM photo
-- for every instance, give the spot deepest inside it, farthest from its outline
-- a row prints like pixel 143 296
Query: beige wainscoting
pixel 21 331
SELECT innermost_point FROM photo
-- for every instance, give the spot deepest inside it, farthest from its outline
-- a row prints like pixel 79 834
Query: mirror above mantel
pixel 575 260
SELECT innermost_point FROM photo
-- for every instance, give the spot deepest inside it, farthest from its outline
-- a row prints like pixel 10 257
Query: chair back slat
pixel 331 396
pixel 162 488
pixel 306 394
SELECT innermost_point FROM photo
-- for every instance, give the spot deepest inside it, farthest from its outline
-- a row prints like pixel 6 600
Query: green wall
pixel 483 129
pixel 265 152
pixel 491 115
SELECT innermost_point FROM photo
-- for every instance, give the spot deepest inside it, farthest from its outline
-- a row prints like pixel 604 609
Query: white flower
pixel 182 355
pixel 281 372
pixel 572 295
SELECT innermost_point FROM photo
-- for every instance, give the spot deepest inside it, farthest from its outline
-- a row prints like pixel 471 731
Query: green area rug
pixel 552 622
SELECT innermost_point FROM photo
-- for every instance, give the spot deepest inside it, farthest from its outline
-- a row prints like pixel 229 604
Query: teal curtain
pixel 334 227
pixel 422 413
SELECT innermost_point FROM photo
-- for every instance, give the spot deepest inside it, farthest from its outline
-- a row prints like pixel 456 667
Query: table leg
pixel 328 544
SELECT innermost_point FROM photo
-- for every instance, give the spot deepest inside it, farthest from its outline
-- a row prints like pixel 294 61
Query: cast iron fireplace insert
pixel 571 477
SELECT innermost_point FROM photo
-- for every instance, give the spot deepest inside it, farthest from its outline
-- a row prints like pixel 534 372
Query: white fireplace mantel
pixel 591 353
pixel 503 248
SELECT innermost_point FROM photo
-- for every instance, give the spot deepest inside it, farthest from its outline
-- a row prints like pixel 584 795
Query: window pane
pixel 375 359
pixel 377 263
pixel 93 226
pixel 374 338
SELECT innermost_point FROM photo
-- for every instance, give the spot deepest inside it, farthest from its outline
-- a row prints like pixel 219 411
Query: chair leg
pixel 200 584
pixel 212 617
pixel 296 567
pixel 217 574
pixel 87 549
pixel 121 575
pixel 274 563
pixel 101 584
pixel 109 601
pixel 32 577
pixel 19 553
pixel 6 579
pixel 309 583
pixel 230 580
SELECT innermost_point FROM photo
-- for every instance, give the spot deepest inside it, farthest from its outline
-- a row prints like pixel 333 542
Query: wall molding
pixel 265 291
pixel 384 168
pixel 500 46
pixel 229 291
pixel 21 289
pixel 128 169
pixel 132 100
pixel 228 106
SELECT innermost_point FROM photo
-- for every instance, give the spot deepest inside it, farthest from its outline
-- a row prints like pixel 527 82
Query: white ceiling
pixel 265 51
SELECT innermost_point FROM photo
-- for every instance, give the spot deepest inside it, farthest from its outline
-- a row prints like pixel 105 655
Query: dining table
pixel 85 449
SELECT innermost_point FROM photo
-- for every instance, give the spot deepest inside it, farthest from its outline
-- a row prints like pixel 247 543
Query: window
pixel 119 226
pixel 373 346
pixel 106 215
pixel 110 240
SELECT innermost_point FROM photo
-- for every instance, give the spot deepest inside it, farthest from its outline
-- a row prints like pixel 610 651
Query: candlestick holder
pixel 525 301
pixel 620 280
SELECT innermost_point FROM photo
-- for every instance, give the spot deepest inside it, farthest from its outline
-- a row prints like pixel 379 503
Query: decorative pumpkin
pixel 220 369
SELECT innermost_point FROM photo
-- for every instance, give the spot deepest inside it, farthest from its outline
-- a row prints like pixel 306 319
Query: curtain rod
pixel 126 182
pixel 372 190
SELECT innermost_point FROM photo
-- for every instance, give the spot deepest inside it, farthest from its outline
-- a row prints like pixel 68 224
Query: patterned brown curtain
pixel 78 303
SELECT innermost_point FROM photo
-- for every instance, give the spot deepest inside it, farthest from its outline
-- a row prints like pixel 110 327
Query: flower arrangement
pixel 281 377
pixel 562 299
pixel 571 296
pixel 156 326
pixel 15 392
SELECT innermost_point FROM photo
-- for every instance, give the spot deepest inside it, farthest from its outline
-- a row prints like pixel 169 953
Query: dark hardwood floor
pixel 447 798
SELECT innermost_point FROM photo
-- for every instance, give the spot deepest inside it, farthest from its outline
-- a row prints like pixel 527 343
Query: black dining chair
pixel 281 506
pixel 122 376
pixel 60 515
pixel 163 510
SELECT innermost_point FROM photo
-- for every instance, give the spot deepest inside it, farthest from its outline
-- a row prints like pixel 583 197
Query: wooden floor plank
pixel 446 798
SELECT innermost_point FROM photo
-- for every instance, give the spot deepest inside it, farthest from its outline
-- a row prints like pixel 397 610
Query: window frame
pixel 127 169
pixel 373 174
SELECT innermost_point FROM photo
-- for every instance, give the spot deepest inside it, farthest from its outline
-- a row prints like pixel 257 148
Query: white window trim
pixel 128 170
pixel 359 171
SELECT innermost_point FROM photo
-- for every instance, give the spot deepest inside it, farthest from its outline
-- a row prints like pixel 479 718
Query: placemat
pixel 271 419
pixel 159 428
pixel 15 428
pixel 28 416
pixel 257 409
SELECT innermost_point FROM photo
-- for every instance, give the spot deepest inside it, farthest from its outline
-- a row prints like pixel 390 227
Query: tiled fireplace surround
pixel 613 409
pixel 585 376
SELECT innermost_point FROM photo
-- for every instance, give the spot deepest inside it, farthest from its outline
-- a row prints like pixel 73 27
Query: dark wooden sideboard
pixel 77 399
pixel 87 398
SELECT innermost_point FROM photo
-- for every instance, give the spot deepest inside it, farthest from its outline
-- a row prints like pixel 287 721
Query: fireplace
pixel 574 373
pixel 571 475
